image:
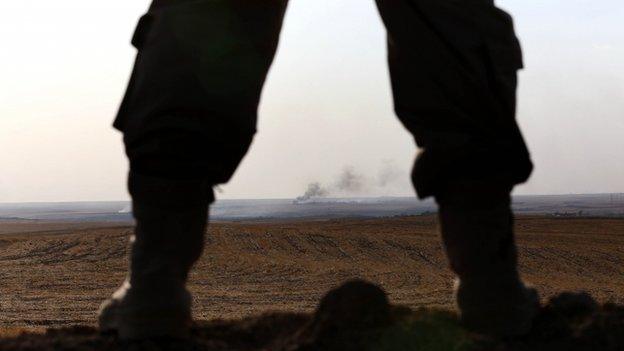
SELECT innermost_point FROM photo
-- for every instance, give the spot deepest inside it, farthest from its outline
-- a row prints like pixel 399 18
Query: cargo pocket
pixel 139 38
pixel 505 57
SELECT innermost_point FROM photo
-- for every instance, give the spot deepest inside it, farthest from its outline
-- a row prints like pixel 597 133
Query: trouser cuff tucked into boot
pixel 171 219
pixel 477 230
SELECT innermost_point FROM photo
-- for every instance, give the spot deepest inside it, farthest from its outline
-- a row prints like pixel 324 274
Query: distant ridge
pixel 585 205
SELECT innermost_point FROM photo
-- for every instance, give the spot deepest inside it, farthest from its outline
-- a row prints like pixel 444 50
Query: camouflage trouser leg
pixel 188 118
pixel 191 106
pixel 453 66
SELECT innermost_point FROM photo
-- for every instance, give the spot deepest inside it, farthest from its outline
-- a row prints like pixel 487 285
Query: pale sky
pixel 64 65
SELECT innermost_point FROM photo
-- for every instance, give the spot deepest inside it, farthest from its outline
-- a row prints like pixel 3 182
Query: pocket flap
pixel 507 56
pixel 142 29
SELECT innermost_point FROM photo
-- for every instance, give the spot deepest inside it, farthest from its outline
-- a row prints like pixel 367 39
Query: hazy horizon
pixel 65 67
pixel 620 198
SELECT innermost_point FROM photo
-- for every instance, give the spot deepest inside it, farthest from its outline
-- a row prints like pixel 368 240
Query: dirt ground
pixel 55 277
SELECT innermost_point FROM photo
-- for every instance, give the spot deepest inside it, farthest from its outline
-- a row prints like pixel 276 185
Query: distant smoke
pixel 351 182
pixel 315 190
pixel 389 174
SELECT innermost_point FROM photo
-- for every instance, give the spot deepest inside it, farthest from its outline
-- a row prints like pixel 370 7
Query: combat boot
pixel 477 230
pixel 153 300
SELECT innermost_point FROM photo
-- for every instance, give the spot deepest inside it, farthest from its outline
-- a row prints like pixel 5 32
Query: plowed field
pixel 55 275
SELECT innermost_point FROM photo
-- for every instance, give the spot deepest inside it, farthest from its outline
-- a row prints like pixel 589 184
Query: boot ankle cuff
pixel 169 193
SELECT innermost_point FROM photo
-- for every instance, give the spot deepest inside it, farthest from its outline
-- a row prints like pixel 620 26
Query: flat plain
pixel 55 274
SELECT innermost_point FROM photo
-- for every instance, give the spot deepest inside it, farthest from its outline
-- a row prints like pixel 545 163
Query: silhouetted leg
pixel 453 67
pixel 188 118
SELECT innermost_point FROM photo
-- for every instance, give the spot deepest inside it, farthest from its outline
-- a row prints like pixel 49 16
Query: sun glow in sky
pixel 326 106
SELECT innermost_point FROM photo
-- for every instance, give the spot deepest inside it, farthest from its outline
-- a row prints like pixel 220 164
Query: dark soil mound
pixel 357 316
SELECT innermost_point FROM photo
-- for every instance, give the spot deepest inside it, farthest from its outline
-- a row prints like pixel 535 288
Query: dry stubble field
pixel 55 274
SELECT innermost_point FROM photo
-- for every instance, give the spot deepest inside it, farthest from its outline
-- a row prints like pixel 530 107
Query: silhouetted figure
pixel 189 116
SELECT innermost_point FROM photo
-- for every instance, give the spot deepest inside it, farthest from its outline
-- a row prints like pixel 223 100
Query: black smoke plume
pixel 315 190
